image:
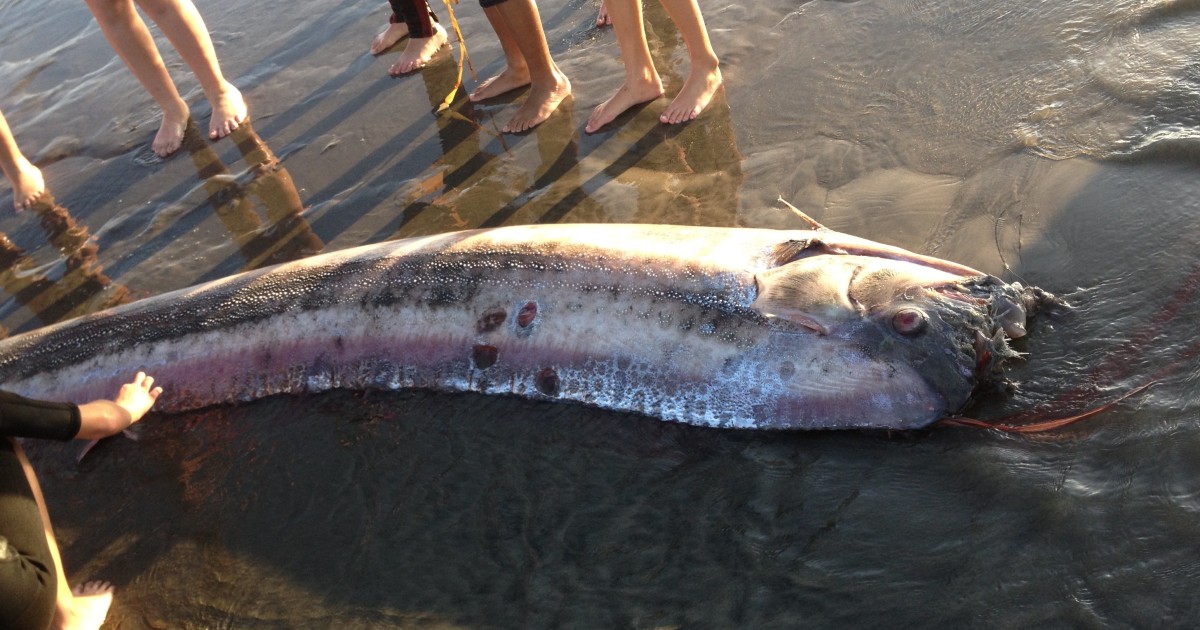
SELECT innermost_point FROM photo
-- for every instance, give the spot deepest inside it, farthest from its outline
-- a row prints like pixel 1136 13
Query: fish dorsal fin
pixel 803 216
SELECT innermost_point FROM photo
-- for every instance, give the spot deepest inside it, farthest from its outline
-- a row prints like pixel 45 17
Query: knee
pixel 156 9
pixel 111 10
pixel 30 590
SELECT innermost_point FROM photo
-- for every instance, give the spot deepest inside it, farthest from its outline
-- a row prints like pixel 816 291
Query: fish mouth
pixel 903 400
pixel 987 314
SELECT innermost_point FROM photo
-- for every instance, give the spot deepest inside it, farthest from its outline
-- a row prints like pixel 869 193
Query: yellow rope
pixel 463 58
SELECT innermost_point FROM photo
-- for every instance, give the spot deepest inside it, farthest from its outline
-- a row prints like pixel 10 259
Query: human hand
pixel 138 396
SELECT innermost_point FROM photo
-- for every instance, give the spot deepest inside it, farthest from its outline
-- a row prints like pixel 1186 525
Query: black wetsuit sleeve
pixel 25 417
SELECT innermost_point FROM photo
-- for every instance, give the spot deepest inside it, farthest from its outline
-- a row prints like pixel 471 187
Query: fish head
pixel 913 341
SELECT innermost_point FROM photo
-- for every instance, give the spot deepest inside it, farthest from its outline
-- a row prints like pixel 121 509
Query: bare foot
pixel 697 92
pixel 507 81
pixel 28 185
pixel 541 101
pixel 602 18
pixel 618 103
pixel 88 608
pixel 419 51
pixel 170 133
pixel 388 37
pixel 228 111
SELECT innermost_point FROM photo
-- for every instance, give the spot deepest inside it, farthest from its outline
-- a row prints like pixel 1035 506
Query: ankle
pixel 219 94
pixel 707 63
pixel 177 111
pixel 517 70
pixel 642 83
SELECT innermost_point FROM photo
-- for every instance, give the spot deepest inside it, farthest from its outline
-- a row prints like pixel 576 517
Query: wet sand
pixel 1053 144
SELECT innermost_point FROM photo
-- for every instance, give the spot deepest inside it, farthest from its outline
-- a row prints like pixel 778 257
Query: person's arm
pixel 25 417
pixel 29 418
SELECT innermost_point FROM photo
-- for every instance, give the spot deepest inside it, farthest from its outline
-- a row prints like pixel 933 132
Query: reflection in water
pixel 554 181
pixel 76 284
pixel 82 288
pixel 431 200
pixel 286 235
pixel 636 170
pixel 688 174
pixel 684 174
pixel 467 186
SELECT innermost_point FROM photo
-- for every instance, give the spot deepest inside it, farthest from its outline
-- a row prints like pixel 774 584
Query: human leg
pixel 36 570
pixel 131 39
pixel 520 22
pixel 25 178
pixel 516 71
pixel 426 37
pixel 396 30
pixel 642 83
pixel 704 72
pixel 181 23
pixel 28 580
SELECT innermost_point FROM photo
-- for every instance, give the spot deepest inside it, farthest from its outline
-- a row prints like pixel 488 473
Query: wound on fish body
pixel 527 314
pixel 490 321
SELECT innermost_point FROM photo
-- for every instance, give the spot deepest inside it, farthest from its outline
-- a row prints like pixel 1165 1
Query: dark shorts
pixel 489 3
pixel 28 581
pixel 416 14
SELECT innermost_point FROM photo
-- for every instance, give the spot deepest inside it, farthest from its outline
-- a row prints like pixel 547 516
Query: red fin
pixel 1041 426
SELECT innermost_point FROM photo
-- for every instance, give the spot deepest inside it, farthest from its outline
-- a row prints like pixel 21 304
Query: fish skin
pixel 709 326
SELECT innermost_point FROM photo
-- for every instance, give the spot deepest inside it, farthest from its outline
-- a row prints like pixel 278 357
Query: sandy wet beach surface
pixel 364 156
pixel 1054 144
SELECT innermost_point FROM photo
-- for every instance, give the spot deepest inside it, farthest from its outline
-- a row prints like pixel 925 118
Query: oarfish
pixel 720 327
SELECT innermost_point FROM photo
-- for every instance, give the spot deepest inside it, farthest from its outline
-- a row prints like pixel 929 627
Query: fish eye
pixel 908 322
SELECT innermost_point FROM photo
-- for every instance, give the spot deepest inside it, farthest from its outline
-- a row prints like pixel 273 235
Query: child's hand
pixel 138 396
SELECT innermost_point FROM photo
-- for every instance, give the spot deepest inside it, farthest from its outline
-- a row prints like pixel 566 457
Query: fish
pixel 746 328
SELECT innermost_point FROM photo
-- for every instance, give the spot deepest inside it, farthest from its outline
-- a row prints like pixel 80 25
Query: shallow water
pixel 1050 142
